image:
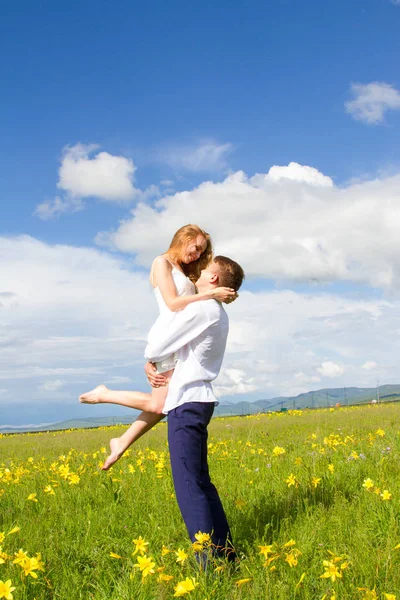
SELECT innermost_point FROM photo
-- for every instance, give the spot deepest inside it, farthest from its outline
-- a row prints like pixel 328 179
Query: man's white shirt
pixel 198 335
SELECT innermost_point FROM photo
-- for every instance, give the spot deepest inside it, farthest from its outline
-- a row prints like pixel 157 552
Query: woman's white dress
pixel 184 287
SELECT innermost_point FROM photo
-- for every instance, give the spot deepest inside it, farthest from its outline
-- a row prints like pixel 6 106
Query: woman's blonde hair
pixel 184 235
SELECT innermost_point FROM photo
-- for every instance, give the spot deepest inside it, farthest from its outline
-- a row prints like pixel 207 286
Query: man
pixel 198 334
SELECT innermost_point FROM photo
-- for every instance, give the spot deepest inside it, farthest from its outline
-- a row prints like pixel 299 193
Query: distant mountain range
pixel 314 399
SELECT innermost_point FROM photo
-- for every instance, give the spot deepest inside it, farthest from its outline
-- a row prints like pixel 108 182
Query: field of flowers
pixel 313 498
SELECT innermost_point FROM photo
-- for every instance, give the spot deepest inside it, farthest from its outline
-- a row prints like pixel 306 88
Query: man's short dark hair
pixel 231 274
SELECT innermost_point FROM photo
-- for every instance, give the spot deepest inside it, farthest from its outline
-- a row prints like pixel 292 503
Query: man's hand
pixel 156 380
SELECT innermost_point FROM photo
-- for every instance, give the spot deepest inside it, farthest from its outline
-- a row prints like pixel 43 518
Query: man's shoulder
pixel 213 309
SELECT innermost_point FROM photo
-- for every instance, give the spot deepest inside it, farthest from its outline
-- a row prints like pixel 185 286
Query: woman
pixel 172 275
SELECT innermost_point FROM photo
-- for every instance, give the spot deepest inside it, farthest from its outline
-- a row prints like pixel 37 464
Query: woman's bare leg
pixel 139 400
pixel 143 423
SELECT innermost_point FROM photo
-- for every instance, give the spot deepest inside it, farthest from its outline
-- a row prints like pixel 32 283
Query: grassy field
pixel 313 499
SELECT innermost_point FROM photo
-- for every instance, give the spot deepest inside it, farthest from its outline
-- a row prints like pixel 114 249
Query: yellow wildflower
pixel 315 482
pixel 181 556
pixel 186 586
pixel 32 497
pixel 140 546
pixel 265 550
pixel 370 594
pixel 164 577
pixel 386 495
pixel 113 555
pixel 331 468
pixel 278 451
pixel 5 589
pixel 146 565
pixel 240 582
pixel 20 557
pixel 14 530
pixel 331 571
pixel 390 596
pixel 30 565
pixel 298 584
pixel 49 490
pixel 292 481
pixel 291 559
pixel 368 484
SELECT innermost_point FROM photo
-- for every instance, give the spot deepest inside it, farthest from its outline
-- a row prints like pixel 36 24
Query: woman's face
pixel 193 249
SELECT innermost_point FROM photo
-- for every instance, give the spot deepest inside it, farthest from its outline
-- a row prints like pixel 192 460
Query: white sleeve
pixel 185 326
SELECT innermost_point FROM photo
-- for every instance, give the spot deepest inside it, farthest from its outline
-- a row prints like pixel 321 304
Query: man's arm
pixel 184 327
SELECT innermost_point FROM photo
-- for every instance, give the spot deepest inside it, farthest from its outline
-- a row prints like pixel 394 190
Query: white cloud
pixel 207 156
pixel 300 173
pixel 103 175
pixel 75 315
pixel 285 229
pixel 330 369
pixel 369 365
pixel 52 385
pixel 302 378
pixel 85 173
pixel 372 100
pixel 51 209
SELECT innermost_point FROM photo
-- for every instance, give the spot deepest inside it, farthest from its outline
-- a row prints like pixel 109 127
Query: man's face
pixel 208 276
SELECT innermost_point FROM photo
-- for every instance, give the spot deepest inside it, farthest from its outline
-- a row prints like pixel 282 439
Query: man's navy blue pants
pixel 197 497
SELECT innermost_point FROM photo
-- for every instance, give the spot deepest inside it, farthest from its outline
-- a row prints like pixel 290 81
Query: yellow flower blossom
pixel 380 432
pixel 278 451
pixel 265 550
pixel 5 589
pixel 32 497
pixel 390 596
pixel 20 557
pixel 146 565
pixel 369 594
pixel 30 565
pixel 368 484
pixel 14 530
pixel 298 584
pixel 331 468
pixel 331 571
pixel 140 546
pixel 386 495
pixel 113 555
pixel 181 556
pixel 291 559
pixel 49 490
pixel 164 577
pixel 315 481
pixel 240 582
pixel 186 586
pixel 292 481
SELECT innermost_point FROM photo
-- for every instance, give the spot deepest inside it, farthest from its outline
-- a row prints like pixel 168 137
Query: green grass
pixel 330 518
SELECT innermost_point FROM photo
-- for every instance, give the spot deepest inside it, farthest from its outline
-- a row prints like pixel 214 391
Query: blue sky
pixel 123 111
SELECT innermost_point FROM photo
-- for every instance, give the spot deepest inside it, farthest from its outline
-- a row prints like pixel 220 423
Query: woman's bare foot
pixel 117 451
pixel 94 396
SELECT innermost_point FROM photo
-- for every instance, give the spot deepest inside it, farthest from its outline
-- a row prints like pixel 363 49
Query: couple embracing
pixel 184 355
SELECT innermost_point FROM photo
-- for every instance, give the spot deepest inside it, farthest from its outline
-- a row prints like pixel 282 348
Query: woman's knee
pixel 156 407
